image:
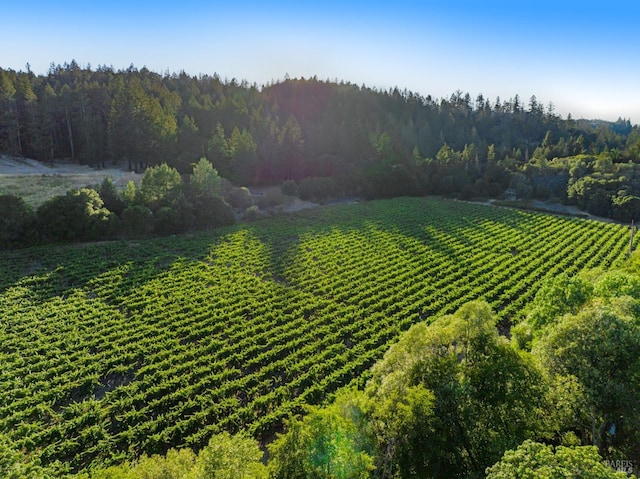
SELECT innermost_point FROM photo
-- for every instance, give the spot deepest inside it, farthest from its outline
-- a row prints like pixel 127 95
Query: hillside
pixel 119 348
pixel 351 140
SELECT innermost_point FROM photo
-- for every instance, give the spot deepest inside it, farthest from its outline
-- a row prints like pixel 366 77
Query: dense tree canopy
pixel 486 397
pixel 371 142
pixel 532 460
pixel 586 331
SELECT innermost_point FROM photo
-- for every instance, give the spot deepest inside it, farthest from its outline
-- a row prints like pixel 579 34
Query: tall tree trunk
pixel 70 131
pixel 19 135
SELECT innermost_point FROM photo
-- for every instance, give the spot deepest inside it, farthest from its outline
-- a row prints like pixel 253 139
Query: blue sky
pixel 582 56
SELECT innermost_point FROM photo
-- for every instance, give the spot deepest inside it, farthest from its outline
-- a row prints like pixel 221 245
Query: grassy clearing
pixel 36 182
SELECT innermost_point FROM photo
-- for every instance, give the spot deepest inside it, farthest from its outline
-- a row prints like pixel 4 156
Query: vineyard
pixel 113 349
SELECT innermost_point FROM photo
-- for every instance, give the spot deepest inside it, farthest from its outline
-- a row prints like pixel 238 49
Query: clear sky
pixel 583 56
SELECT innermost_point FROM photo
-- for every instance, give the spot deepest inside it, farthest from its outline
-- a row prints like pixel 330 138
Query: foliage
pixel 176 464
pixel 230 457
pixel 211 212
pixel 289 188
pixel 224 457
pixel 137 221
pixel 327 443
pixel 79 215
pixel 17 222
pixel 617 283
pixel 377 143
pixel 130 193
pixel 252 213
pixel 532 460
pixel 600 347
pixel 118 349
pixel 317 189
pixel 159 186
pixel 239 198
pixel 205 181
pixel 563 294
pixel 487 397
pixel 111 197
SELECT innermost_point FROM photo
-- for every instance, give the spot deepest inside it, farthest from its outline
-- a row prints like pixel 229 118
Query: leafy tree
pixel 327 443
pixel 159 186
pixel 615 284
pixel 205 179
pixel 130 193
pixel 487 397
pixel 385 150
pixel 230 457
pixel 111 196
pixel 532 460
pixel 563 294
pixel 211 212
pixel 174 218
pixel 404 422
pixel 625 207
pixel 78 215
pixel 600 347
pixel 137 221
pixel 177 464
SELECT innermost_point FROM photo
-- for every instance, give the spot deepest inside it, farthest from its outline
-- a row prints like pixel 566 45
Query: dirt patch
pixel 297 205
pixel 293 204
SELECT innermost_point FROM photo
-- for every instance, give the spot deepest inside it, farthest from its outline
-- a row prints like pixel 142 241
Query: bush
pixel 137 220
pixel 252 213
pixel 272 197
pixel 211 212
pixel 17 222
pixel 317 188
pixel 175 218
pixel 230 457
pixel 79 215
pixel 289 188
pixel 239 198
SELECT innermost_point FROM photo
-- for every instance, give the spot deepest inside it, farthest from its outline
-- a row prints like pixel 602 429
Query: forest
pixel 339 138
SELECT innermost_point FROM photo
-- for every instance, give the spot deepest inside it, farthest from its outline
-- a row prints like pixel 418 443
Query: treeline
pixel 370 142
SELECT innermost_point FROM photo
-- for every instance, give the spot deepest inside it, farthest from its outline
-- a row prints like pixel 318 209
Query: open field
pixel 116 348
pixel 36 182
